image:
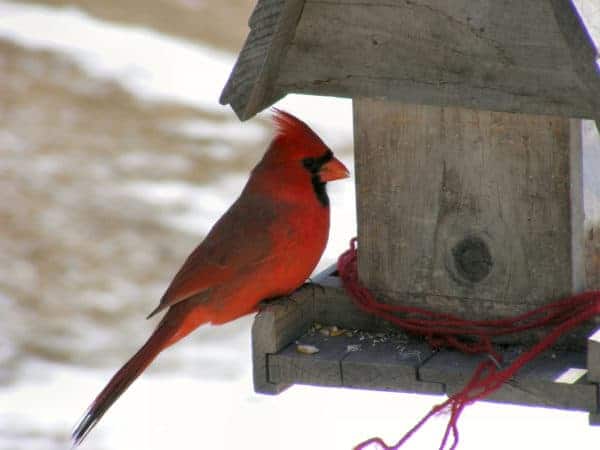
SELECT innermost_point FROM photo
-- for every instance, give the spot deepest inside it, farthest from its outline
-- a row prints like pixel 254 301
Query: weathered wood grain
pixel 389 366
pixel 481 215
pixel 483 55
pixel 555 379
pixel 398 362
pixel 275 326
pixel 395 361
pixel 593 357
pixel 504 56
pixel 251 85
pixel 281 321
pixel 530 56
pixel 363 360
pixel 322 368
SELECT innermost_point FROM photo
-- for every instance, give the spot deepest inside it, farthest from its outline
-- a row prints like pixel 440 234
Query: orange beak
pixel 333 170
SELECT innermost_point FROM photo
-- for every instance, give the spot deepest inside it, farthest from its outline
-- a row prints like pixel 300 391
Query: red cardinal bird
pixel 265 245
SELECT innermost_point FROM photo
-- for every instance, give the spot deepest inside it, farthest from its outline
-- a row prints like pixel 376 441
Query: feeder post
pixel 469 212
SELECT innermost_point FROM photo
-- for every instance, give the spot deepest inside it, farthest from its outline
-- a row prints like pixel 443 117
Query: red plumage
pixel 265 245
pixel 296 135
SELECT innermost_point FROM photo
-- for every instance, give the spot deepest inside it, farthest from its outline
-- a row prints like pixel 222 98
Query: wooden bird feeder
pixel 467 134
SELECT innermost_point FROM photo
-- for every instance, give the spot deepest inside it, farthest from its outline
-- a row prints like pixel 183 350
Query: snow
pixel 187 412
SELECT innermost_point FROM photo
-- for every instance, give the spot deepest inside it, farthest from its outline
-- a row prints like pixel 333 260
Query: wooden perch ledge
pixel 358 354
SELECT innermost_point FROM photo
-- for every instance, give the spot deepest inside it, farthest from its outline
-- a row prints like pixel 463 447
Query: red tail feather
pixel 121 381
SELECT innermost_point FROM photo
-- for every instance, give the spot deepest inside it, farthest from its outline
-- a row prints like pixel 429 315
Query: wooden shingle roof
pixel 533 56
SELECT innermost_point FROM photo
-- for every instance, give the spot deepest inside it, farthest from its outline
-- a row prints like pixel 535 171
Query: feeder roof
pixel 534 56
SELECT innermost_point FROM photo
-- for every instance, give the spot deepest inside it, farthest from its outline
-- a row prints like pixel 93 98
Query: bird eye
pixel 310 164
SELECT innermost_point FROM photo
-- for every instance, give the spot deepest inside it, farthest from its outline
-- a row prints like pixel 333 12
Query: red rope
pixel 447 330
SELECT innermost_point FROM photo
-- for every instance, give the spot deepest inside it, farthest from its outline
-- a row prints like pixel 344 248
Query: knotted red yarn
pixel 447 330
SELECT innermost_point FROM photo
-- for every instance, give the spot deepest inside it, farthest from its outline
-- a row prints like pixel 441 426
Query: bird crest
pixel 295 135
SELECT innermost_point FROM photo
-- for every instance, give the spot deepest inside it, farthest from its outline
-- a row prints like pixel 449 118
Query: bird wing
pixel 238 241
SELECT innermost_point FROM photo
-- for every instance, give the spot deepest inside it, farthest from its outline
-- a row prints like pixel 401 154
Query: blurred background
pixel 115 160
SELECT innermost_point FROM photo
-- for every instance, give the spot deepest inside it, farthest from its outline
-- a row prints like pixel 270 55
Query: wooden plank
pixel 593 366
pixel 321 369
pixel 555 379
pixel 275 326
pixel 395 361
pixel 281 321
pixel 334 307
pixel 487 217
pixel 576 208
pixel 389 365
pixel 593 357
pixel 356 359
pixel 251 85
pixel 503 56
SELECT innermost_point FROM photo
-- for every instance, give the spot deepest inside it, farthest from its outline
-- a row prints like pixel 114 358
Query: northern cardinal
pixel 265 245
